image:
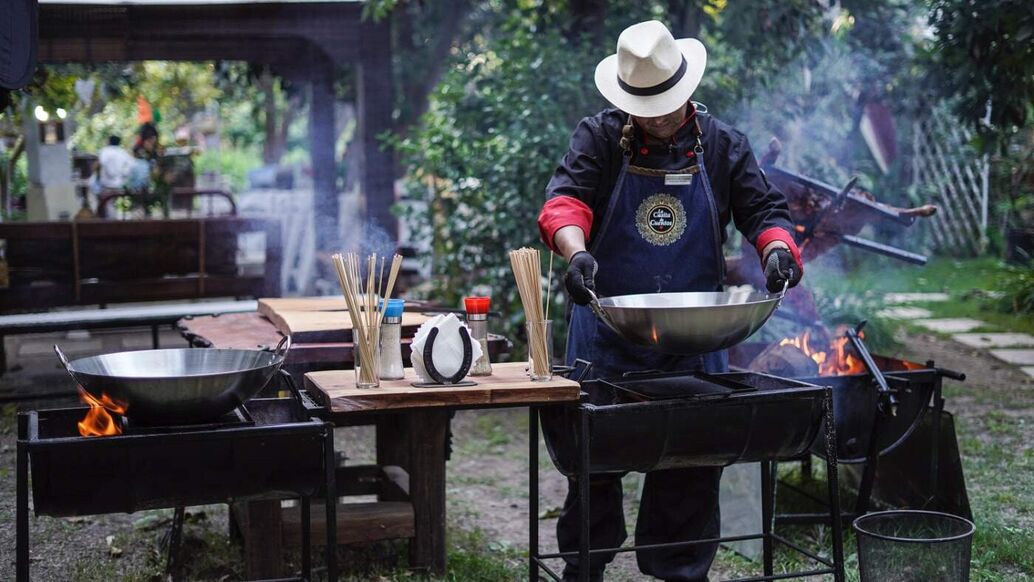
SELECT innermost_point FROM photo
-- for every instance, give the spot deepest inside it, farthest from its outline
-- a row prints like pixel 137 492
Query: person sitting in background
pixel 146 150
pixel 147 147
pixel 115 164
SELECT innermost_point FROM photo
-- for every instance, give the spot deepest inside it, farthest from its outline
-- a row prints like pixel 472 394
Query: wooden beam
pixel 356 523
pixel 333 27
pixel 322 140
pixel 276 52
pixel 376 101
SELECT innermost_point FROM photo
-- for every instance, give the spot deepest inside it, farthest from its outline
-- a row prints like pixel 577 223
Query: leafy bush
pixel 232 164
pixel 498 123
pixel 1018 286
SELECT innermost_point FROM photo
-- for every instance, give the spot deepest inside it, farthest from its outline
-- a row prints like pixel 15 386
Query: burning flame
pixel 97 421
pixel 833 359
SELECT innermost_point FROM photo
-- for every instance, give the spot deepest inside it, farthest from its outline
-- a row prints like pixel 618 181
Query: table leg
pixel 427 430
pixel 262 540
pixel 393 448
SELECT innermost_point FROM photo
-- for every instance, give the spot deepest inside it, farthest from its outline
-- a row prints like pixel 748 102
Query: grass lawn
pixel 970 284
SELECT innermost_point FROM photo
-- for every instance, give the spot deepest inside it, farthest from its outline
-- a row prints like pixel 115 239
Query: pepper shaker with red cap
pixel 477 321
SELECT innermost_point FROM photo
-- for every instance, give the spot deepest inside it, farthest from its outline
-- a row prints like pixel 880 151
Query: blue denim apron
pixel 656 237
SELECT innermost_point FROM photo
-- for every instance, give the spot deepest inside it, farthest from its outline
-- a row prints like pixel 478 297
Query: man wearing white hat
pixel 640 204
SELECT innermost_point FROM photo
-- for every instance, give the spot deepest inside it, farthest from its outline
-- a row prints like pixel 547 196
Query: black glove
pixel 779 268
pixel 579 279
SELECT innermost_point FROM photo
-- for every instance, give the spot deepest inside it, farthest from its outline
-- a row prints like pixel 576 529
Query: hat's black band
pixel 656 89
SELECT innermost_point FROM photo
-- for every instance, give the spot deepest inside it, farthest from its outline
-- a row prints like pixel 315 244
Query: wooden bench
pixel 116 317
pixel 97 262
pixel 101 262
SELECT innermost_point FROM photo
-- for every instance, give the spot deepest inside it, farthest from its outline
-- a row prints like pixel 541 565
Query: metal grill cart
pixel 267 448
pixel 651 421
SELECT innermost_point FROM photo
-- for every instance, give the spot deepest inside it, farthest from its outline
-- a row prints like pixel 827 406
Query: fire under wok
pixel 175 386
pixel 687 323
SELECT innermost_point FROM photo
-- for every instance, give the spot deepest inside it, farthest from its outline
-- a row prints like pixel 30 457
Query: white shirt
pixel 115 165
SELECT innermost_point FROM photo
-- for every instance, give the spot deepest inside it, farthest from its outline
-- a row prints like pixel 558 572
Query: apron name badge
pixel 678 179
pixel 661 219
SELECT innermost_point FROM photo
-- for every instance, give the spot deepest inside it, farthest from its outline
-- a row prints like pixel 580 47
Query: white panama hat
pixel 652 74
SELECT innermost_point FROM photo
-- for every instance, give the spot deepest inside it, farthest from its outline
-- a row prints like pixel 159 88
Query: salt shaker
pixel 477 321
pixel 390 347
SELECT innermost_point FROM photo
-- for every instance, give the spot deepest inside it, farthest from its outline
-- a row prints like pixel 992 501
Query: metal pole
pixel 22 510
pixel 533 494
pixel 330 501
pixel 872 461
pixel 583 494
pixel 767 502
pixel 833 482
pixel 306 540
pixel 935 446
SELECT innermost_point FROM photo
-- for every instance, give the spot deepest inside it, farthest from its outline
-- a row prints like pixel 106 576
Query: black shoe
pixel 574 577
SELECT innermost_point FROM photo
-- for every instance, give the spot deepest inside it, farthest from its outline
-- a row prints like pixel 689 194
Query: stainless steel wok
pixel 180 386
pixel 687 323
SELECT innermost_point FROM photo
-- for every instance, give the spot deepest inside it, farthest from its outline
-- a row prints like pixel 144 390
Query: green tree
pixel 983 56
pixel 498 123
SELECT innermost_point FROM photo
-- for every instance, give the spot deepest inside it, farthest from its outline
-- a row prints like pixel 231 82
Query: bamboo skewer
pixel 549 283
pixel 527 270
pixel 366 312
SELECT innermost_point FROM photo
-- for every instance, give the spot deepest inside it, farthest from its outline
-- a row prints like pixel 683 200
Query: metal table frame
pixel 536 560
pixel 22 509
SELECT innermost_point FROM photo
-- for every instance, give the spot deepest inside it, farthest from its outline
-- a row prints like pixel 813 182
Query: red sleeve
pixel 561 211
pixel 778 233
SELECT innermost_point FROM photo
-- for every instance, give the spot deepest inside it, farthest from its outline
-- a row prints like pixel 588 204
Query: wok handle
pixel 601 313
pixel 285 343
pixel 64 362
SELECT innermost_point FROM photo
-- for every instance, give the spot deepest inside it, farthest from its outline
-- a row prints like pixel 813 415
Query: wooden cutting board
pixel 508 385
pixel 271 305
pixel 331 326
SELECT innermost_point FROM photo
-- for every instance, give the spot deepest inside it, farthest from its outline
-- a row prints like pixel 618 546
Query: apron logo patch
pixel 661 219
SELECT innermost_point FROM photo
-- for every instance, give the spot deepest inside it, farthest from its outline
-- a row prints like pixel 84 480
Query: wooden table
pixel 266 529
pixel 412 424
pixel 253 330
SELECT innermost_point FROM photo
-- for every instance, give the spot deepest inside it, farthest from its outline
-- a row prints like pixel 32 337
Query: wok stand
pixel 585 412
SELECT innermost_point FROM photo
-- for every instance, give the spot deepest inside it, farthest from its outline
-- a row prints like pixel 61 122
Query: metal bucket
pixel 913 546
pixel 180 386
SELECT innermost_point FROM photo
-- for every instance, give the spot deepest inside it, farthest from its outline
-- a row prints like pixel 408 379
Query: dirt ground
pixel 487 486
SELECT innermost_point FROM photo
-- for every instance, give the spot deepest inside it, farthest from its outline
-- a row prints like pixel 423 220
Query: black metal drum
pixel 855 406
pixel 659 421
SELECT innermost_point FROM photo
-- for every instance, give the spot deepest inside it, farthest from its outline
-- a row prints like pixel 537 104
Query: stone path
pixel 951 325
pixel 995 340
pixel 894 298
pixel 1018 357
pixel 1012 348
pixel 905 313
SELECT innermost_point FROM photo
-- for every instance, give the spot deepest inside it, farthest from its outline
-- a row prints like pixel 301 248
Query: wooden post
pixel 376 100
pixel 321 150
pixel 427 431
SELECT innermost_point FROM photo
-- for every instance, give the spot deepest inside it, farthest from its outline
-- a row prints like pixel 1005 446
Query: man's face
pixel 664 126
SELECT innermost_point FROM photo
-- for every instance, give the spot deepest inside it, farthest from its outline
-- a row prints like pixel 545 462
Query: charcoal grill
pixel 909 459
pixel 270 448
pixel 652 421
